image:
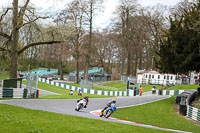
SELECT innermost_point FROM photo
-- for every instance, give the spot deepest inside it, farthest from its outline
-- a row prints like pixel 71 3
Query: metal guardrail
pixel 184 100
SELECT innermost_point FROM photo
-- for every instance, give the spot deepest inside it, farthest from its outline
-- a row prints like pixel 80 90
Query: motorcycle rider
pixel 153 90
pixel 87 100
pixel 109 104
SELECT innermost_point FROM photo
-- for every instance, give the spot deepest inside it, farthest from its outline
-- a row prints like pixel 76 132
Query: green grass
pixel 183 87
pixel 160 113
pixel 4 75
pixel 20 120
pixel 149 87
pixel 197 104
pixel 64 92
pixel 93 87
pixel 120 85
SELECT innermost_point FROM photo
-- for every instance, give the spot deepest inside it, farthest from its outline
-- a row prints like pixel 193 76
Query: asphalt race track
pixel 67 106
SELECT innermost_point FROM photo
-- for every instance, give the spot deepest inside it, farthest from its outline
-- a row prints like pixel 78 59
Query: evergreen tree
pixel 180 48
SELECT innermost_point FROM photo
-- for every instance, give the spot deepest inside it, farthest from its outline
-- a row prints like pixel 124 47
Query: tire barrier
pixel 184 100
pixel 91 91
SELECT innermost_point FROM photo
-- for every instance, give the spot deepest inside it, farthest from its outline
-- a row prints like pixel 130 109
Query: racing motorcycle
pixel 107 112
pixel 81 104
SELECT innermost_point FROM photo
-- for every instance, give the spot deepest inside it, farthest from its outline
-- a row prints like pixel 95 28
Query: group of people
pixel 79 92
pixel 153 90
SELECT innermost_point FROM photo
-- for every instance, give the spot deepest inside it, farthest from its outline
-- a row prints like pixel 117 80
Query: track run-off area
pixel 67 106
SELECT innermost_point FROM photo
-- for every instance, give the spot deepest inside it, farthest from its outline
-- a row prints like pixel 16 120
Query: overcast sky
pixel 109 6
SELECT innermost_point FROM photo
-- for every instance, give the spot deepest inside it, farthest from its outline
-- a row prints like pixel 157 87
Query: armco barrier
pixel 90 91
pixel 184 98
pixel 13 93
pixel 17 93
pixel 170 92
pixel 193 113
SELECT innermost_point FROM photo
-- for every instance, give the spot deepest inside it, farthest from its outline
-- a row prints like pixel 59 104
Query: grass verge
pixel 120 85
pixel 183 87
pixel 64 92
pixel 4 75
pixel 160 113
pixel 21 120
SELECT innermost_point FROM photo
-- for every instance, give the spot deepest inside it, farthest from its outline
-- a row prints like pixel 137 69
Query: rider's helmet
pixel 86 97
pixel 113 101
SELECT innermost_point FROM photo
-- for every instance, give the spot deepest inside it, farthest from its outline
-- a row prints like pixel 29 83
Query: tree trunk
pixel 136 64
pixel 122 65
pixel 128 63
pixel 14 44
pixel 90 42
pixel 61 70
pixel 77 68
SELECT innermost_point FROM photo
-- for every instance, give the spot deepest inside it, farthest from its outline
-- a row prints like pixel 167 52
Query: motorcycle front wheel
pixel 101 114
pixel 79 107
pixel 108 114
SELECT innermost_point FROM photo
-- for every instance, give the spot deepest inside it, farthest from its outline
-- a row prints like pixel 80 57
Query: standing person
pixel 140 91
pixel 79 92
pixel 71 92
pixel 154 90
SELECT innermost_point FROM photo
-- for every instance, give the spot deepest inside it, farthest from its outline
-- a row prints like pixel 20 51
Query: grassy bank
pixel 120 86
pixel 4 75
pixel 21 120
pixel 161 113
pixel 64 92
pixel 183 87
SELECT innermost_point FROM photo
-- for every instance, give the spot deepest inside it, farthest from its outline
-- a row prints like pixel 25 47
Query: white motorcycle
pixel 80 104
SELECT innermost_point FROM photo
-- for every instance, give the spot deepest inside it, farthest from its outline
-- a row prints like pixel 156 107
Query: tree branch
pixel 33 21
pixel 3 49
pixel 35 44
pixel 21 14
pixel 5 35
pixel 1 18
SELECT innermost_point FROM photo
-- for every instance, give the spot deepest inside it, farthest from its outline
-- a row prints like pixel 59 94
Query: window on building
pixel 164 77
pixel 158 76
pixel 146 76
pixel 167 77
pixel 149 75
pixel 171 77
pixel 152 76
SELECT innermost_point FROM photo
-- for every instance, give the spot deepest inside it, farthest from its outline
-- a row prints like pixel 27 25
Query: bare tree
pixel 126 10
pixel 92 6
pixel 13 37
pixel 75 14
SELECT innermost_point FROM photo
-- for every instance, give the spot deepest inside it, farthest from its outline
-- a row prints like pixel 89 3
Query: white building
pixel 153 77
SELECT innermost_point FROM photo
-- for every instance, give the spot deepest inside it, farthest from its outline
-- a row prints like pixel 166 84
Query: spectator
pixel 140 93
pixel 71 92
pixel 153 90
pixel 79 92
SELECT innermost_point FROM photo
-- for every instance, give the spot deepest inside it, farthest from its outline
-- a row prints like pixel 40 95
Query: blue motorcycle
pixel 107 112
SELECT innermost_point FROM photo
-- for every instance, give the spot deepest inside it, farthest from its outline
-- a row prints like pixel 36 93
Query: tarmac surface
pixel 67 106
